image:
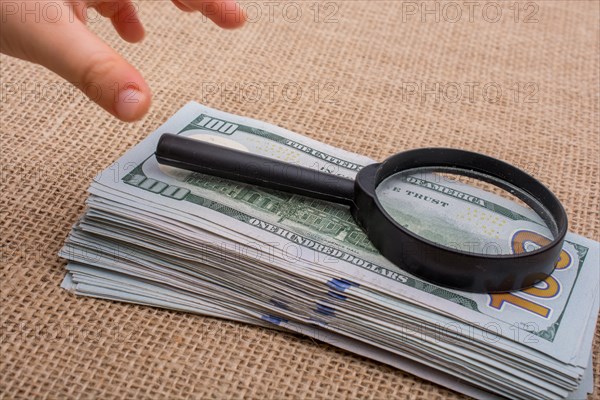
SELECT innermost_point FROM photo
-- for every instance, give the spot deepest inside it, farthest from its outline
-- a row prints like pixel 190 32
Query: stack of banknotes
pixel 165 237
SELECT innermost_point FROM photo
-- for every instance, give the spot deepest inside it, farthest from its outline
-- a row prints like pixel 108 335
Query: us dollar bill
pixel 322 239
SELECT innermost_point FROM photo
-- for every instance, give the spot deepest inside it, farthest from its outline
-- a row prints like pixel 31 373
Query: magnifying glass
pixel 455 218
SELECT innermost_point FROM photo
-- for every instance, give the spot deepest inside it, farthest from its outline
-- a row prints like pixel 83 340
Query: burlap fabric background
pixel 362 75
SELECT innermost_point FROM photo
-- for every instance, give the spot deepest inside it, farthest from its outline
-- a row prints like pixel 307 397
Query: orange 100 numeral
pixel 552 286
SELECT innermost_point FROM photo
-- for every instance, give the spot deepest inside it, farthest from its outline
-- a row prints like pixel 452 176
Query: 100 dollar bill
pixel 324 235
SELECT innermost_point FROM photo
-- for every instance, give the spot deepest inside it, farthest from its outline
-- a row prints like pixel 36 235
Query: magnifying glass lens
pixel 466 211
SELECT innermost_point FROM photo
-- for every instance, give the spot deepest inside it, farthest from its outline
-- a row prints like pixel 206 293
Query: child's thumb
pixel 80 57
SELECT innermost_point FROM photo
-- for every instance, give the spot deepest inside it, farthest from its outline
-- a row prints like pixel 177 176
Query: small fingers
pixel 124 16
pixel 182 6
pixel 225 13
pixel 96 69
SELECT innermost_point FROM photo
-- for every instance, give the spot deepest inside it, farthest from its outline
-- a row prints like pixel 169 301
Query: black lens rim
pixel 450 267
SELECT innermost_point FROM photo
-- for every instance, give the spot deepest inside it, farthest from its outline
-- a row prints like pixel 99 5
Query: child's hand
pixel 54 35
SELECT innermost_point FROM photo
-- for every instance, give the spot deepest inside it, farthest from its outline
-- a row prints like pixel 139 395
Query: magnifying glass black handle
pixel 211 159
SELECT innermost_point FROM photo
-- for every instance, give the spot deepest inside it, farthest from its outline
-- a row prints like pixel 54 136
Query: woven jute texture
pixel 369 76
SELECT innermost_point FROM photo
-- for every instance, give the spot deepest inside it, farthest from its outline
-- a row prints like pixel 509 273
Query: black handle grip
pixel 211 159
